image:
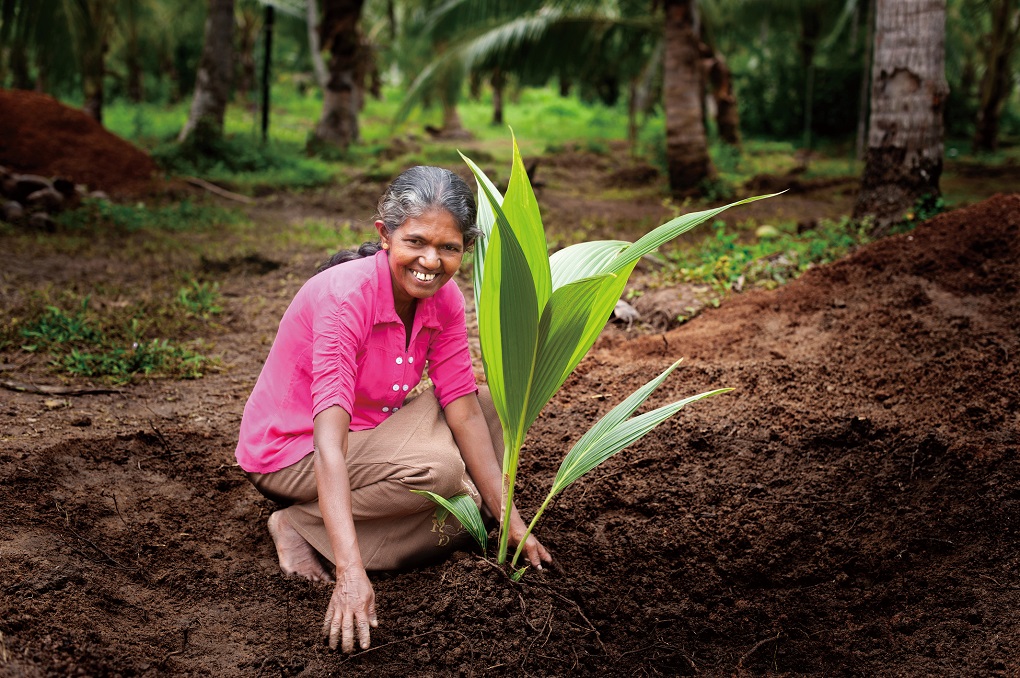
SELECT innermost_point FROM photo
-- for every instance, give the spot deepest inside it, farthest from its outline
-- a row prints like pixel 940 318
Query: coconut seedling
pixel 537 318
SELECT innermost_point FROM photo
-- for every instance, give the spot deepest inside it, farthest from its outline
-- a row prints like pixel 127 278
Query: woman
pixel 326 430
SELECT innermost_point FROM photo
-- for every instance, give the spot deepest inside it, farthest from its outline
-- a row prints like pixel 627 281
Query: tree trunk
pixel 249 24
pixel 132 57
pixel 727 117
pixel 997 82
pixel 341 99
pixel 686 141
pixel 908 96
pixel 18 61
pixel 498 85
pixel 93 70
pixel 94 60
pixel 212 84
pixel 315 45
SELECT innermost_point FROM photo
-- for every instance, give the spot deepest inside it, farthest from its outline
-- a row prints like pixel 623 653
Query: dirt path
pixel 851 509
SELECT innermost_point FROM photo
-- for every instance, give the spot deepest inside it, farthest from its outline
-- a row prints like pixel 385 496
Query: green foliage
pixel 57 327
pixel 120 364
pixel 738 259
pixel 243 162
pixel 200 299
pixel 181 216
pixel 80 346
pixel 463 509
pixel 926 207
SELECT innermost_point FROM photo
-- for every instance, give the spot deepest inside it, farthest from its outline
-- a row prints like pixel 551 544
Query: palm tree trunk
pixel 215 71
pixel 341 100
pixel 727 117
pixel 996 84
pixel 93 60
pixel 686 141
pixel 908 96
pixel 132 57
pixel 498 82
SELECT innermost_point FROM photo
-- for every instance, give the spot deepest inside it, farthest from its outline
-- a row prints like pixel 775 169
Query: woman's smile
pixel 424 253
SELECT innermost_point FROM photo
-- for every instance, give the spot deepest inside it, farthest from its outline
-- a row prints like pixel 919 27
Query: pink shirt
pixel 341 343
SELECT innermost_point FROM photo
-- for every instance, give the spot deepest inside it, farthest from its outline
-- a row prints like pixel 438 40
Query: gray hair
pixel 422 189
pixel 415 192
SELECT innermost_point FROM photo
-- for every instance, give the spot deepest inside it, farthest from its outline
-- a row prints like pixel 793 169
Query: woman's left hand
pixel 533 549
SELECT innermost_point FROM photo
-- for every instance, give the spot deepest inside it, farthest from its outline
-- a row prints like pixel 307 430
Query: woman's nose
pixel 430 259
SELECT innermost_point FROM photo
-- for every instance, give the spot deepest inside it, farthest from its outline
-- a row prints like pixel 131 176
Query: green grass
pixel 180 216
pixel 83 343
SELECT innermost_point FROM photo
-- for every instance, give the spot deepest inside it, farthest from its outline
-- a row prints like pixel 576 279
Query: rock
pixel 12 211
pixel 99 195
pixel 42 222
pixel 626 313
pixel 48 199
pixel 27 184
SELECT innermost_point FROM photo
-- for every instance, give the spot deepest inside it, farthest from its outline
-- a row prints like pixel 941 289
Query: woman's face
pixel 424 253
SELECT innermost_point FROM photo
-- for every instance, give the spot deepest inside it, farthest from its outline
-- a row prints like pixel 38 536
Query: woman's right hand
pixel 351 608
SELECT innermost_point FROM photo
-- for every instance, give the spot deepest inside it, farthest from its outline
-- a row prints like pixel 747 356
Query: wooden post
pixel 267 59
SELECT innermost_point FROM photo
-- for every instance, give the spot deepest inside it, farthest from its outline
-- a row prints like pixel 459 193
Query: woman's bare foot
pixel 296 555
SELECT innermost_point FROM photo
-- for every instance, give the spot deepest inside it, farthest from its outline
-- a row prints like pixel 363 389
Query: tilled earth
pixel 852 508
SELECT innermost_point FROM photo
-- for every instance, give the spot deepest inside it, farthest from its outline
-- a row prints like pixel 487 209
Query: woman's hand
pixel 351 607
pixel 533 549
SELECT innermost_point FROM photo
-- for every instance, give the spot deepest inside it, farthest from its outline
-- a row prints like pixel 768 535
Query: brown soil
pixel 852 508
pixel 39 135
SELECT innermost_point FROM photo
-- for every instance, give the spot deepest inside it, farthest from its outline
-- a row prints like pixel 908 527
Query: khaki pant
pixel 413 449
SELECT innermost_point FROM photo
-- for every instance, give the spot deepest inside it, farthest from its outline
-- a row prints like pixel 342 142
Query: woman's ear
pixel 384 237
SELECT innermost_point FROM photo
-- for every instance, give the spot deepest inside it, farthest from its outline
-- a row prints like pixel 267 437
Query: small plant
pixel 80 348
pixel 538 316
pixel 58 327
pixel 200 299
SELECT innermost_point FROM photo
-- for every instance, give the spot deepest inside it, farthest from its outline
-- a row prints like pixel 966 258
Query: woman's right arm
pixel 352 605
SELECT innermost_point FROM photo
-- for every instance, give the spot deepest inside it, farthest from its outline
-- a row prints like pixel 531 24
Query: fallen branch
pixel 222 192
pixel 55 390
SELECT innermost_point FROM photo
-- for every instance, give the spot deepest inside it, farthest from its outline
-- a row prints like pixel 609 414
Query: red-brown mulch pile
pixel 40 135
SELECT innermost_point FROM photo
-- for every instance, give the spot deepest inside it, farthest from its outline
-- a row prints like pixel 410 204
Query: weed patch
pixel 79 344
pixel 181 216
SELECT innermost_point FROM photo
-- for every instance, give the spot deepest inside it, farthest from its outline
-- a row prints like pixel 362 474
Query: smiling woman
pixel 328 431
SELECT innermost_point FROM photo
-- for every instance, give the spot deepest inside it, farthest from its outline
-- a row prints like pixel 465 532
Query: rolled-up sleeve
pixel 339 330
pixel 449 356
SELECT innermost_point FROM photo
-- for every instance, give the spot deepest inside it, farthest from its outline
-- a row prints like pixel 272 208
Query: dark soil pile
pixel 852 508
pixel 40 135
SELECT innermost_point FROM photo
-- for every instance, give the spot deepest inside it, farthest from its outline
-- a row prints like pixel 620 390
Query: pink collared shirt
pixel 341 343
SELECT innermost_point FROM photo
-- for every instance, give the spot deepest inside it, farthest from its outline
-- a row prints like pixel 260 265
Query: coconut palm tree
pixel 341 100
pixel 215 72
pixel 908 95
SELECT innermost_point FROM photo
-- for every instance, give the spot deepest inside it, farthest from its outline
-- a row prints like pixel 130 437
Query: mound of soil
pixel 852 508
pixel 40 135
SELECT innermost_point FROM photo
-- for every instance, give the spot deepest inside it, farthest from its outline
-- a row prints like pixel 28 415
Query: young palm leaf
pixel 463 509
pixel 611 434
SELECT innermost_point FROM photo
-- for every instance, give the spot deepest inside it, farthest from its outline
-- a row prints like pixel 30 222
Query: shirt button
pixel 385 409
pixel 410 358
pixel 405 387
pixel 396 387
pixel 395 409
pixel 400 361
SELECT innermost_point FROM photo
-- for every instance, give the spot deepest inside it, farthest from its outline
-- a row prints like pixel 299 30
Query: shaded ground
pixel 852 508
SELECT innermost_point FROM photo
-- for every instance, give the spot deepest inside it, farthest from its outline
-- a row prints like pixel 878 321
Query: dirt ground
pixel 852 508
